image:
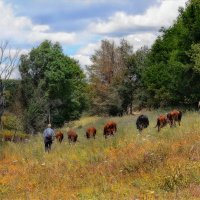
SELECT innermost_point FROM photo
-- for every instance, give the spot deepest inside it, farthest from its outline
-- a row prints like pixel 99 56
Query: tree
pixel 171 76
pixel 106 75
pixel 8 61
pixel 53 86
pixel 132 90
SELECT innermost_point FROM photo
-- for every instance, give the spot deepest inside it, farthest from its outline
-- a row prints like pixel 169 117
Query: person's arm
pixel 53 134
pixel 44 133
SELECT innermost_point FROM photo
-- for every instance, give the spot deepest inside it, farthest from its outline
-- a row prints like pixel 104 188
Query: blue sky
pixel 80 25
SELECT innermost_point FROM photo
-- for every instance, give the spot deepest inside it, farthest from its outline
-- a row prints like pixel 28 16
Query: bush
pixel 8 135
pixel 12 122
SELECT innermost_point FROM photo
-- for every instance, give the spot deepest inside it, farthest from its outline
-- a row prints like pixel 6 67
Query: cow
pixel 8 138
pixel 173 117
pixel 110 128
pixel 161 122
pixel 72 136
pixel 142 122
pixel 91 132
pixel 59 136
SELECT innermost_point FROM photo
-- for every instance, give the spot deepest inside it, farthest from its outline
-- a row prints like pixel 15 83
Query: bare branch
pixel 8 60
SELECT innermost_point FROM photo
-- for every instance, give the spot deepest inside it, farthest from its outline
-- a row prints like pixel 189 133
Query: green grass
pixel 164 165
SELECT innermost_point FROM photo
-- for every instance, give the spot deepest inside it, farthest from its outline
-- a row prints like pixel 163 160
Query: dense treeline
pixel 53 87
pixel 172 75
pixel 168 74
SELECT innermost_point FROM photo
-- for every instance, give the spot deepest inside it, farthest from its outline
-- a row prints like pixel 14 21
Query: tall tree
pixel 106 75
pixel 132 90
pixel 53 86
pixel 171 77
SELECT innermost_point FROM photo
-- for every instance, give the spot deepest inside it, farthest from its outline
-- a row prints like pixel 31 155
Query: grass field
pixel 151 165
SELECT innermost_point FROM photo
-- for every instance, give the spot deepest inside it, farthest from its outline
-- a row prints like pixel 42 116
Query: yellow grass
pixel 164 165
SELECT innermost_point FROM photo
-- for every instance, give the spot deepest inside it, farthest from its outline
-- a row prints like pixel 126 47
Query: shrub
pixel 176 179
pixel 12 122
pixel 8 135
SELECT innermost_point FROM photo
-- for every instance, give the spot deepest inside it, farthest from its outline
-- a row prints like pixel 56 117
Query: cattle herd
pixel 110 127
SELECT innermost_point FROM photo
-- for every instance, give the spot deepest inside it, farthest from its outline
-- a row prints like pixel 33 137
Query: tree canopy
pixel 172 75
pixel 53 86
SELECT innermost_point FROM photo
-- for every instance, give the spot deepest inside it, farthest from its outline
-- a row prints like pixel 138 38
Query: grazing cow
pixel 110 128
pixel 72 136
pixel 59 136
pixel 173 117
pixel 91 132
pixel 8 138
pixel 142 122
pixel 161 122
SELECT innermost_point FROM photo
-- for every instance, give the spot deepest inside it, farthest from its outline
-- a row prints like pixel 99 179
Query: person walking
pixel 48 137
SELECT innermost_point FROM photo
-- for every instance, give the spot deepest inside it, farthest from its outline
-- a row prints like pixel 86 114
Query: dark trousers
pixel 48 143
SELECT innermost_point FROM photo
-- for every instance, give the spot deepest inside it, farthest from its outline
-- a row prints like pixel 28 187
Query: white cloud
pixel 23 30
pixel 12 53
pixel 84 54
pixel 134 28
pixel 89 49
pixel 156 16
pixel 137 40
pixel 65 38
pixel 15 52
pixel 83 59
pixel 42 28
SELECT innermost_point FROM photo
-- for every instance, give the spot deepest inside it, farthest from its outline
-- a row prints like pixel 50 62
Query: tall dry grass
pixel 164 165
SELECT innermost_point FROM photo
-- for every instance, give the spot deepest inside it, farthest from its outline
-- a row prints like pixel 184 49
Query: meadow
pixel 130 165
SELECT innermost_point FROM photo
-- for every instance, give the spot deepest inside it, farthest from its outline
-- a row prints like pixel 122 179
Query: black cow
pixel 142 122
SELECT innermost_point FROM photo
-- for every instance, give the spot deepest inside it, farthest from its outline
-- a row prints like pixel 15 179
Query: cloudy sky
pixel 80 25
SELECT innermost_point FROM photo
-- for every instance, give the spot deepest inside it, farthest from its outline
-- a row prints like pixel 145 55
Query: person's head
pixel 49 125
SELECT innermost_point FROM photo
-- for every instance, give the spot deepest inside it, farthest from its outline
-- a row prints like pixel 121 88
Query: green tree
pixel 132 90
pixel 171 76
pixel 53 86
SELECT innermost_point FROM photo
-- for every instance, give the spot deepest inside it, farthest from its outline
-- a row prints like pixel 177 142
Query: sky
pixel 80 25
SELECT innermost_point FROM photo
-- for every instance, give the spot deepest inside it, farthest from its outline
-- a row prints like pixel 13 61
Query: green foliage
pixel 132 89
pixel 12 122
pixel 11 135
pixel 115 79
pixel 177 179
pixel 172 73
pixel 11 90
pixel 52 84
pixel 195 57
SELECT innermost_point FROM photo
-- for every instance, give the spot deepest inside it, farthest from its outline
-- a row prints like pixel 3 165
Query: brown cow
pixel 8 138
pixel 161 122
pixel 174 116
pixel 110 128
pixel 59 136
pixel 91 132
pixel 72 136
